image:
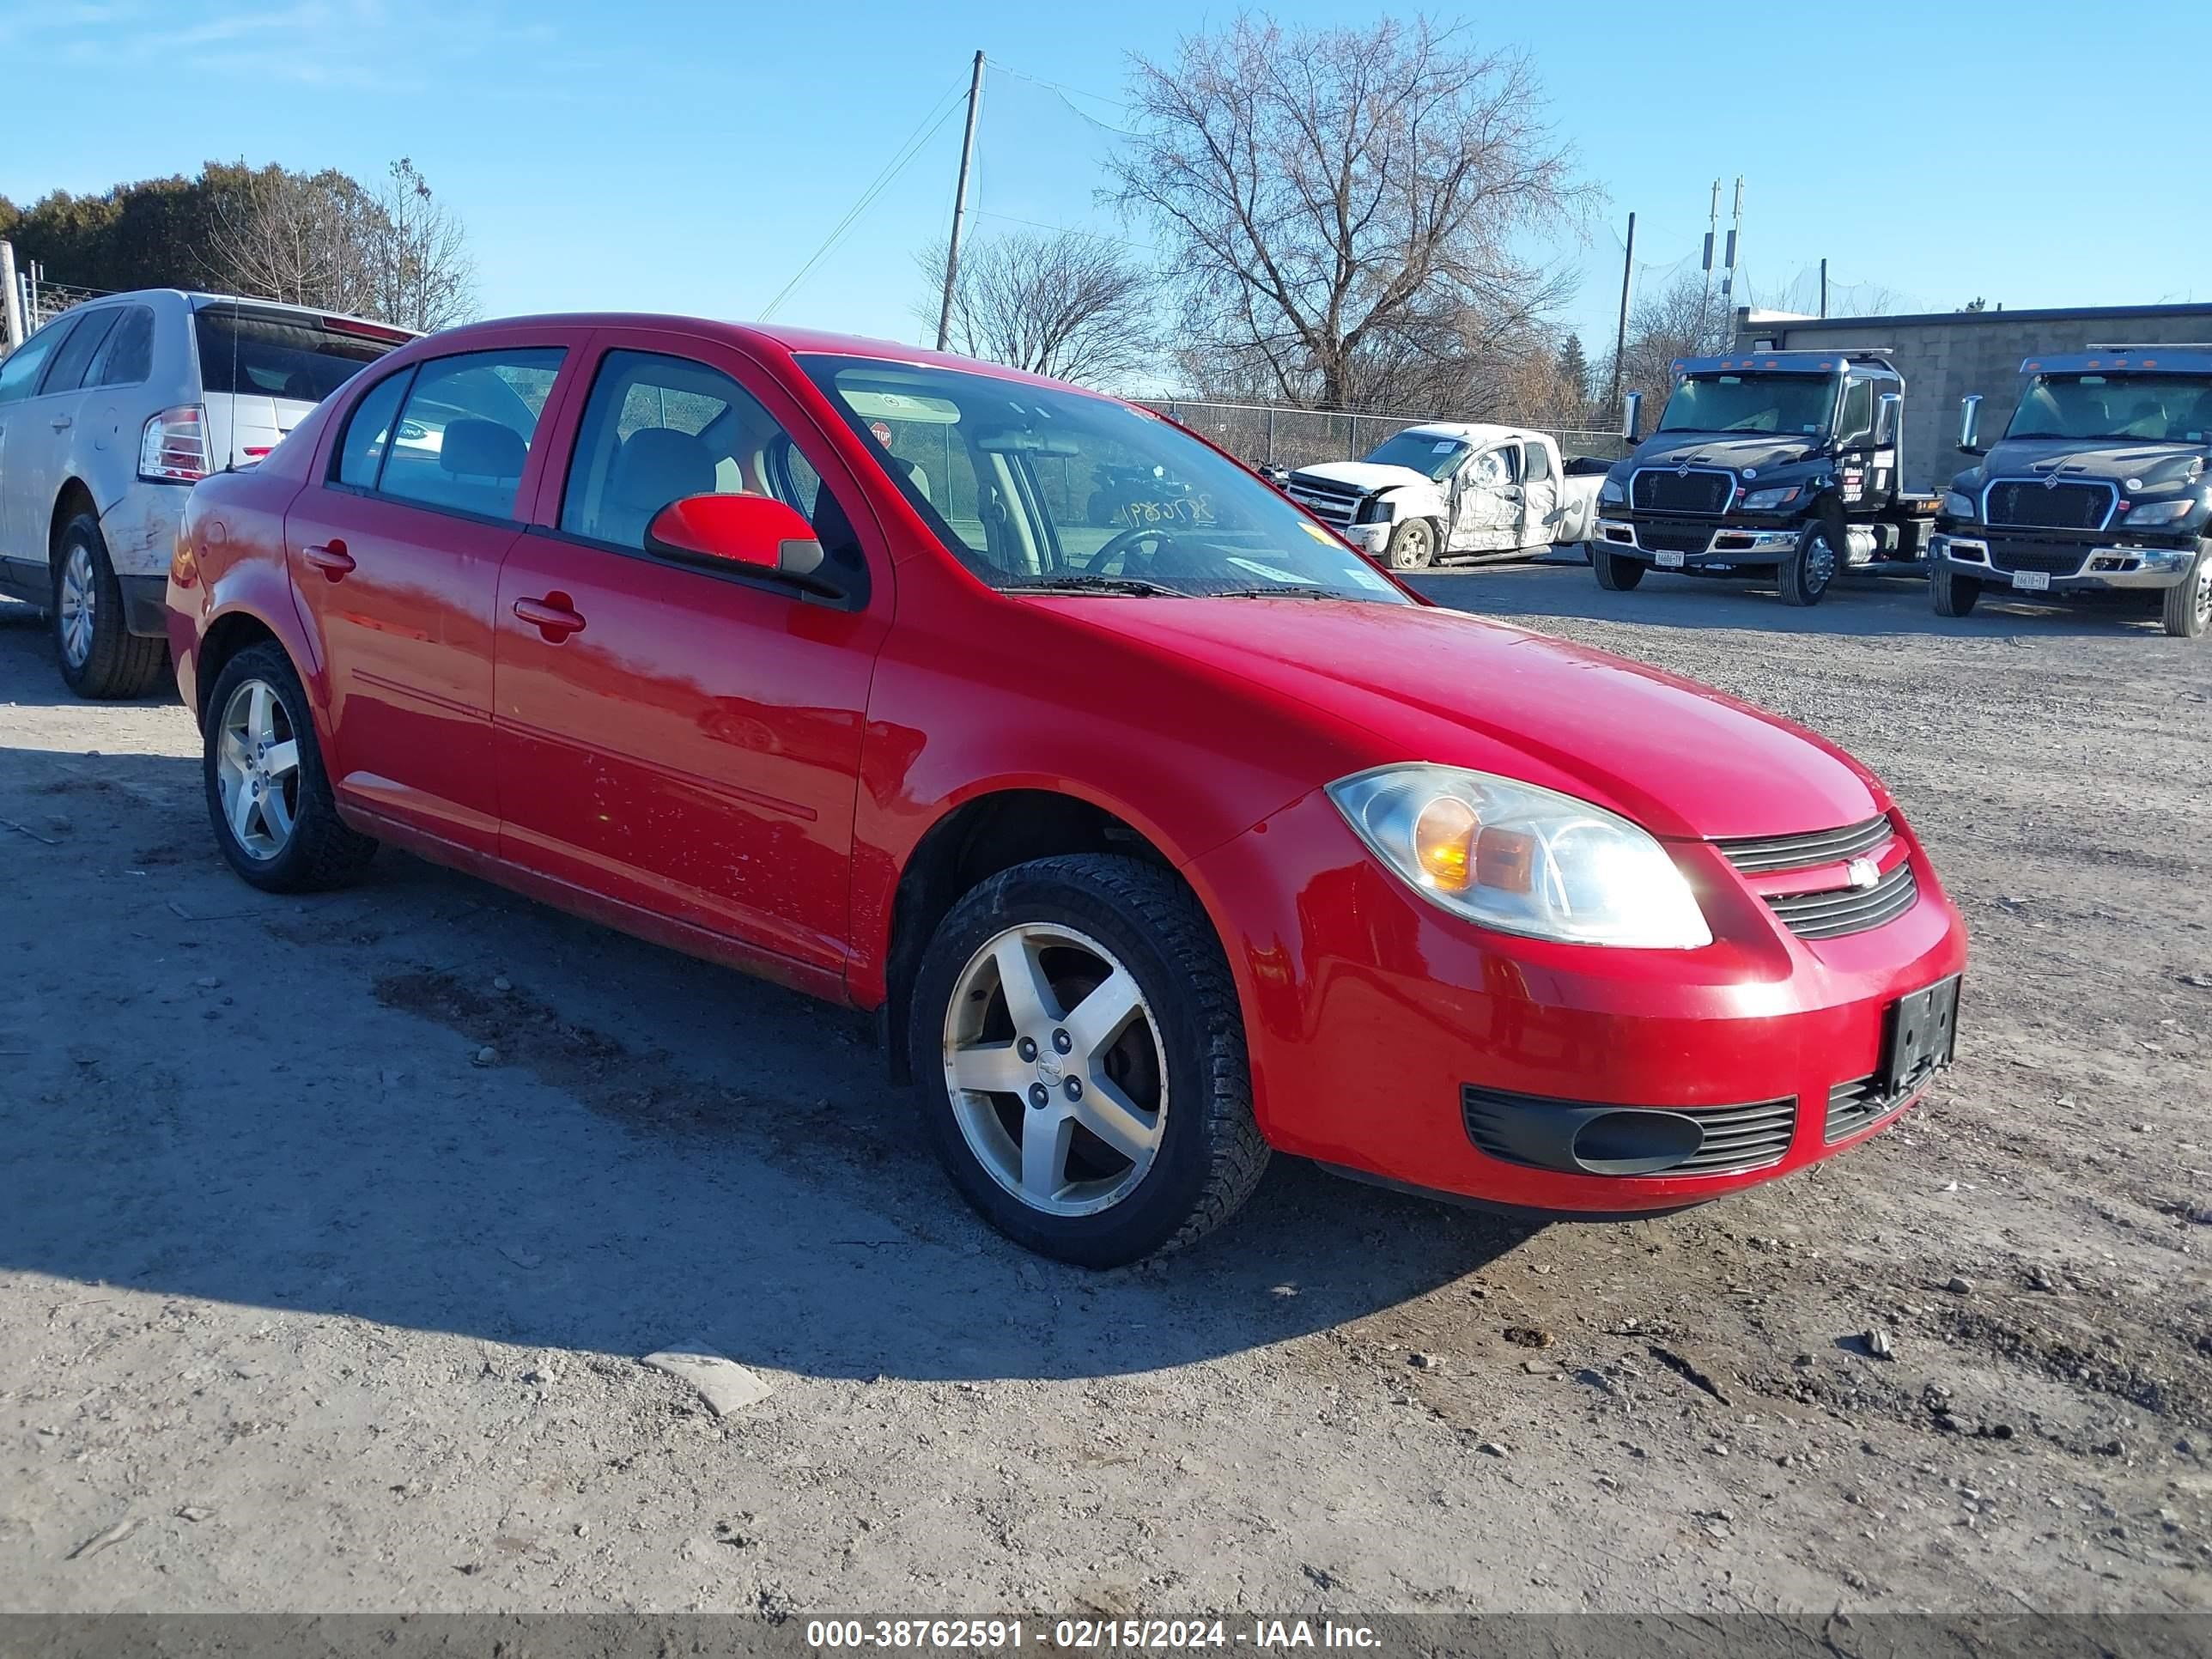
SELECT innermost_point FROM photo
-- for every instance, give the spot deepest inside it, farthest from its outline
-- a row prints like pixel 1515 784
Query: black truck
pixel 2097 488
pixel 1775 465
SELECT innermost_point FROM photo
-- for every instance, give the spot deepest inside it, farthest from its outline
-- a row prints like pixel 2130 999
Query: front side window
pixel 75 355
pixel 2154 408
pixel 1425 453
pixel 465 431
pixel 1033 486
pixel 1796 404
pixel 19 372
pixel 1856 425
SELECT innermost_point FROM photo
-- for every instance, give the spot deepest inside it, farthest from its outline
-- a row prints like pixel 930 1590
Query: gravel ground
pixel 309 1302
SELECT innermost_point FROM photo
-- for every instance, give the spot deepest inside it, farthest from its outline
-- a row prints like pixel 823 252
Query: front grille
pixel 1658 537
pixel 1754 854
pixel 2009 555
pixel 1326 499
pixel 1664 489
pixel 1739 1137
pixel 2033 503
pixel 1856 1105
pixel 1841 910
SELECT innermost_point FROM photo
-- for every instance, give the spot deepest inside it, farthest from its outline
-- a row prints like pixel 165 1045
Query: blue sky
pixel 692 157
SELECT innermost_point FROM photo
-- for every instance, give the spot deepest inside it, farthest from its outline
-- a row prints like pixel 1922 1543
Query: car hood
pixel 2114 462
pixel 1363 474
pixel 1432 684
pixel 1751 451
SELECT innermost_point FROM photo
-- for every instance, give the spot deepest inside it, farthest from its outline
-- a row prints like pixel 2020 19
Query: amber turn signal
pixel 1444 842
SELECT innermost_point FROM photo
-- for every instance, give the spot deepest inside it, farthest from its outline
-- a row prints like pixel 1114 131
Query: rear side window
pixel 126 358
pixel 465 431
pixel 91 333
pixel 1539 463
pixel 279 354
pixel 18 373
pixel 368 433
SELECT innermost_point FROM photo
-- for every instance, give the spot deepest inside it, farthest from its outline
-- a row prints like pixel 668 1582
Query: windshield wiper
pixel 1284 592
pixel 1081 584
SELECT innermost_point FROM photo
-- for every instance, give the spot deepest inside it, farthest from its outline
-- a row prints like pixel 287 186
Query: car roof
pixel 1832 360
pixel 2144 360
pixel 199 300
pixel 1474 432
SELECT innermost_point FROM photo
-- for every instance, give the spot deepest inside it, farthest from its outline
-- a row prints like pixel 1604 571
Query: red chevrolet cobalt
pixel 1158 827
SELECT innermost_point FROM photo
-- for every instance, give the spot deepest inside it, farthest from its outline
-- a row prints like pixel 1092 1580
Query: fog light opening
pixel 1632 1142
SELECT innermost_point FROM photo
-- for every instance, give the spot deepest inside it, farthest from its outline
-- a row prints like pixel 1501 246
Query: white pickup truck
pixel 1451 489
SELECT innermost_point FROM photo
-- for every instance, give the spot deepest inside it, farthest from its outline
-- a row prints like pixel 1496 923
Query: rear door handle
pixel 331 558
pixel 555 616
pixel 61 422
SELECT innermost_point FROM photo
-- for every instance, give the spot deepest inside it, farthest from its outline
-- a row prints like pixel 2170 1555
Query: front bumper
pixel 2085 564
pixel 1678 544
pixel 1373 1019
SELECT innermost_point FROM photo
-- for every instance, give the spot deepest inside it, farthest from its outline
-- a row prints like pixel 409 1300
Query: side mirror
pixel 1631 417
pixel 1886 414
pixel 1969 420
pixel 757 535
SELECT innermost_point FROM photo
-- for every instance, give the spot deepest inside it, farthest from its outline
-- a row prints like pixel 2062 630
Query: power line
pixel 1066 94
pixel 1065 230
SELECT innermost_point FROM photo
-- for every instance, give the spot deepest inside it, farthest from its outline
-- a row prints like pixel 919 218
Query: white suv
pixel 108 414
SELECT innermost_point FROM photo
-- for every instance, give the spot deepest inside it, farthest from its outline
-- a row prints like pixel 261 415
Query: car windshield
pixel 1799 405
pixel 2158 408
pixel 1035 488
pixel 281 354
pixel 1423 452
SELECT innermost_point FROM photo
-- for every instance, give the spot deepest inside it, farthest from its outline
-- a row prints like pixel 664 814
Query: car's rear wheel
pixel 1953 595
pixel 99 656
pixel 1082 1062
pixel 1413 546
pixel 1807 574
pixel 1615 575
pixel 268 795
pixel 2187 611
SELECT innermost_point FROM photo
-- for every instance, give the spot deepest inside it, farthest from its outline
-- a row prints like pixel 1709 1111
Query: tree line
pixel 388 249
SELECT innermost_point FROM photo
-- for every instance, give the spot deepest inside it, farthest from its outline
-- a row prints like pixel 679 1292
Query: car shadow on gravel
pixel 27 631
pixel 1858 606
pixel 425 1103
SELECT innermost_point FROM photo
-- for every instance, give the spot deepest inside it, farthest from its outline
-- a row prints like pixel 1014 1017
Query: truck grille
pixel 2010 555
pixel 2034 504
pixel 1754 854
pixel 1667 489
pixel 1332 503
pixel 1841 910
pixel 1657 536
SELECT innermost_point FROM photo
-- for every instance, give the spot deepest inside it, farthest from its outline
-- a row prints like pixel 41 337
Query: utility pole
pixel 960 205
pixel 1712 235
pixel 1824 288
pixel 1735 232
pixel 1620 335
pixel 11 300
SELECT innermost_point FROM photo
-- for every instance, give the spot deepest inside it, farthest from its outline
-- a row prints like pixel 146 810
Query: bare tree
pixel 1067 305
pixel 420 273
pixel 1686 319
pixel 1324 190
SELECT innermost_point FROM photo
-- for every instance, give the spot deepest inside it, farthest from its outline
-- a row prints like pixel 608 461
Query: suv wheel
pixel 1808 572
pixel 2187 611
pixel 100 657
pixel 1616 574
pixel 1081 1058
pixel 1953 595
pixel 1413 546
pixel 267 794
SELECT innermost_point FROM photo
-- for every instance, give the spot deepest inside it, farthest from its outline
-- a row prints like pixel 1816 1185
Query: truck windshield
pixel 2159 408
pixel 1035 488
pixel 1799 405
pixel 1423 452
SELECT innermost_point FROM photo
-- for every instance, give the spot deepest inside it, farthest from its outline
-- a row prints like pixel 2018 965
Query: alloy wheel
pixel 1819 561
pixel 2204 594
pixel 257 768
pixel 1415 547
pixel 76 601
pixel 1056 1069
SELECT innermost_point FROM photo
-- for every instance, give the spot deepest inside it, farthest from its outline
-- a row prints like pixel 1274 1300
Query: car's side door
pixel 26 495
pixel 1487 514
pixel 394 552
pixel 674 736
pixel 1855 468
pixel 1540 494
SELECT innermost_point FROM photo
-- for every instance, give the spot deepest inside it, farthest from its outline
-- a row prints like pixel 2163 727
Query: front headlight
pixel 2162 512
pixel 1956 506
pixel 1373 510
pixel 1523 860
pixel 1765 500
pixel 1611 491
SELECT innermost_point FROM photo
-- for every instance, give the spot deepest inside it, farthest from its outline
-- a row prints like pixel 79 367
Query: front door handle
pixel 61 422
pixel 331 558
pixel 555 616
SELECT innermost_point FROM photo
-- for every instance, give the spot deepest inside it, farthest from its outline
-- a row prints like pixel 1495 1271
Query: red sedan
pixel 1158 827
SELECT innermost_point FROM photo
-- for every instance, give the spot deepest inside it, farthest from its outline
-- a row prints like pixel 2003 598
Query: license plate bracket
pixel 1922 1037
pixel 2031 581
pixel 1668 559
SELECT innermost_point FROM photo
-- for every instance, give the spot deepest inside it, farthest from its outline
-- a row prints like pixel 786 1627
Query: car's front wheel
pixel 1615 575
pixel 268 795
pixel 1807 572
pixel 99 656
pixel 2187 608
pixel 1081 1058
pixel 1413 546
pixel 1953 595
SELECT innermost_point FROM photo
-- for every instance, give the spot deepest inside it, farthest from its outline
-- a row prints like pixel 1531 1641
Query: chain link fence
pixel 1279 435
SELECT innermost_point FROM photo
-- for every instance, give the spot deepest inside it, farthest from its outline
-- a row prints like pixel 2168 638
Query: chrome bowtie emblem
pixel 1048 1068
pixel 1864 872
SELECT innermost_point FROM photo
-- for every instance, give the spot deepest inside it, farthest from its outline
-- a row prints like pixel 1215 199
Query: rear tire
pixel 1951 595
pixel 2187 611
pixel 1013 1075
pixel 99 656
pixel 1808 574
pixel 1615 575
pixel 287 837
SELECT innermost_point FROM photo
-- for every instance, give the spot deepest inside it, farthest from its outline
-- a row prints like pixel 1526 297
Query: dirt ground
pixel 302 1307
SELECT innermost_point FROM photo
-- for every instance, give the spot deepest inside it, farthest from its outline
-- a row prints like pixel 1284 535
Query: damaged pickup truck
pixel 1451 489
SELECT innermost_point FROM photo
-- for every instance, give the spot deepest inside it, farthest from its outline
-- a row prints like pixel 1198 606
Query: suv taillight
pixel 174 448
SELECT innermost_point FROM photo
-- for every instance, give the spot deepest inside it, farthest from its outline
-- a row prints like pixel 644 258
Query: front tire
pixel 1413 546
pixel 1807 573
pixel 2187 611
pixel 268 796
pixel 100 658
pixel 1616 574
pixel 1953 595
pixel 1080 1055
